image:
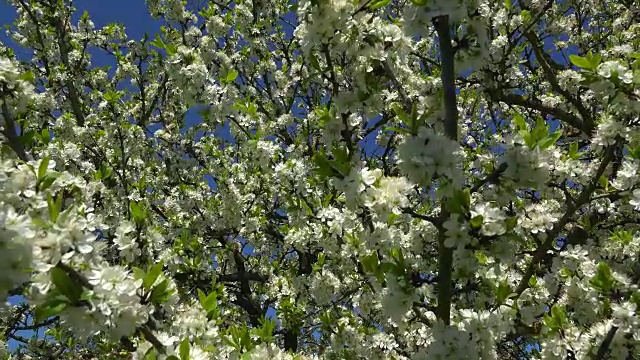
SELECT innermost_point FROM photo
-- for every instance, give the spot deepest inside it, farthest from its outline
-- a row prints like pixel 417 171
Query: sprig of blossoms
pixel 428 156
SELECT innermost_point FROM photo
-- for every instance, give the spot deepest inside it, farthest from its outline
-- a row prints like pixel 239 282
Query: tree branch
pixel 604 346
pixel 582 199
pixel 445 254
pixel 9 132
pixel 587 120
pixel 535 104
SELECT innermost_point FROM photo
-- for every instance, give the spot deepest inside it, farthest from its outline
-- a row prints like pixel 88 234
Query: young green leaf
pixel 313 60
pixel 160 294
pixel 152 275
pixel 184 349
pixel 550 139
pixel 42 168
pixel 573 151
pixel 158 43
pixel 54 206
pixel 603 281
pixel 521 124
pixel 50 307
pixel 377 4
pixel 581 62
pixel 65 284
pixel 476 222
pixel 231 76
pixel 45 136
pixel 503 292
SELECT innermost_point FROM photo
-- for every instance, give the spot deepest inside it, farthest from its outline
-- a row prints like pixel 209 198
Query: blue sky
pixel 131 13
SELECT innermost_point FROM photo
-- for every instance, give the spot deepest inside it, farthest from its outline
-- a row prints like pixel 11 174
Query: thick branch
pixel 535 104
pixel 9 132
pixel 445 254
pixel 604 346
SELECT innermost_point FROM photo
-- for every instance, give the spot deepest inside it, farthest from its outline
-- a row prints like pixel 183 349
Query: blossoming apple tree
pixel 423 179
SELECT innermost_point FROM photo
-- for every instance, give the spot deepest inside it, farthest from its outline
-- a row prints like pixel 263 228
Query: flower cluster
pixel 429 156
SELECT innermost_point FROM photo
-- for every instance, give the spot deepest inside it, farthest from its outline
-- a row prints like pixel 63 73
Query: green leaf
pixel 476 222
pixel 50 307
pixel 503 291
pixel 460 202
pixel 313 60
pixel 54 206
pixel 152 275
pixel 42 168
pixel 603 281
pixel 265 332
pixel 46 136
pixel 370 262
pixel 158 43
pixel 184 349
pixel 573 151
pixel 557 319
pixel 377 4
pixel 340 154
pixel 323 166
pixel 541 130
pixel 49 178
pixel 581 62
pixel 550 140
pixel 604 182
pixel 391 219
pixel 138 273
pixel 211 302
pixel 507 4
pixel 635 298
pixel 204 113
pixel 137 212
pixel 231 76
pixel 159 294
pixel 525 15
pixel 559 315
pixel 521 124
pixel 404 117
pixel 27 76
pixel 550 322
pixel 533 281
pixel 150 354
pixel 112 96
pixel 40 223
pixel 65 285
pixel 202 297
pixel 481 257
pixel 321 259
pixel 634 152
pixel 398 260
pixel 419 2
pixel 594 60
